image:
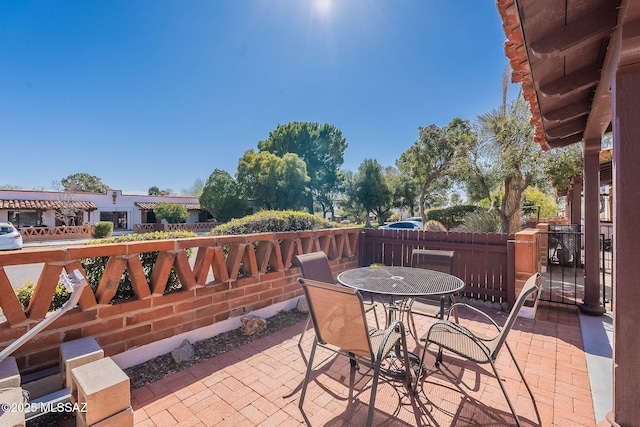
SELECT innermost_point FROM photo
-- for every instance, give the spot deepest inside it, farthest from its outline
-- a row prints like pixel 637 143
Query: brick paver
pixel 259 384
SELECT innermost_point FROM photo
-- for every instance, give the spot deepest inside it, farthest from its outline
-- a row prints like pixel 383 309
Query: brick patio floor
pixel 259 384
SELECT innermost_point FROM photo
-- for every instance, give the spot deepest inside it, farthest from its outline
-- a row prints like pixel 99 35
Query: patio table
pixel 404 282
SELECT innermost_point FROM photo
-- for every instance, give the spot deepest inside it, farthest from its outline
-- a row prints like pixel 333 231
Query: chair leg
pixel 533 400
pixel 308 374
pixel 504 391
pixel 375 315
pixel 374 389
pixel 306 326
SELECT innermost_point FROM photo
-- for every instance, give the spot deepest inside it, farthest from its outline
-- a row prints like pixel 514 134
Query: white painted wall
pixel 104 202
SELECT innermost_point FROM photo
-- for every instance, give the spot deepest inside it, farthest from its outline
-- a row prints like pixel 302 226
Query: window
pixel 24 218
pixel 119 219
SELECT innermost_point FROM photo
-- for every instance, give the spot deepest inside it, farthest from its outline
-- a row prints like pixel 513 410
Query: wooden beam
pixel 572 83
pixel 568 112
pixel 579 33
pixel 563 142
pixel 567 129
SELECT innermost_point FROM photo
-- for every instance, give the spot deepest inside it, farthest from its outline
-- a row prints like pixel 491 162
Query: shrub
pixel 25 293
pixel 94 267
pixel 452 215
pixel 480 222
pixel 432 225
pixel 273 222
pixel 102 229
pixel 173 213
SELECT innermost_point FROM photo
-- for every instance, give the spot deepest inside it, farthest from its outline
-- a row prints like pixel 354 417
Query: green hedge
pixel 102 229
pixel 452 215
pixel 273 222
pixel 94 267
pixel 24 294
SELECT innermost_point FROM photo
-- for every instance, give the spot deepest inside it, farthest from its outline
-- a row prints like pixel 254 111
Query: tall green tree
pixel 371 190
pixel 173 213
pixel 153 191
pixel 404 190
pixel 273 182
pixel 222 197
pixel 321 147
pixel 562 164
pixel 432 160
pixel 83 183
pixel 350 207
pixel 505 153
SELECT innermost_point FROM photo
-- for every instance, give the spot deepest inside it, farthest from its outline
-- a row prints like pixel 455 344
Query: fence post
pixel 527 256
pixel 543 240
pixel 511 272
pixel 362 248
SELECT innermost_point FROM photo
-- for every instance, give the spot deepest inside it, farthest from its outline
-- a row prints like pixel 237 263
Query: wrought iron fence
pixel 564 276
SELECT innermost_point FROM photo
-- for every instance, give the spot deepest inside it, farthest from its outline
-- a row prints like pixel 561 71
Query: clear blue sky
pixel 160 93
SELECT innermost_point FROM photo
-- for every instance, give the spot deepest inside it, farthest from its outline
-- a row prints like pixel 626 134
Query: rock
pixel 505 306
pixel 496 306
pixel 488 304
pixel 252 324
pixel 183 352
pixel 303 306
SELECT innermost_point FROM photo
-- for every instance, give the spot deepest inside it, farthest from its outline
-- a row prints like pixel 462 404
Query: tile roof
pixel 45 204
pixel 151 206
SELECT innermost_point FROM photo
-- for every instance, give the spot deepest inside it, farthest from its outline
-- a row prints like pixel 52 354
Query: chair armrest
pixel 458 339
pixel 475 310
pixel 387 333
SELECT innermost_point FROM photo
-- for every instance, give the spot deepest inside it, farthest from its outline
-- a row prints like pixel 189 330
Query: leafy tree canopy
pixel 273 182
pixel 83 183
pixel 223 197
pixel 545 202
pixel 405 190
pixel 370 189
pixel 432 160
pixel 321 147
pixel 173 213
pixel 562 164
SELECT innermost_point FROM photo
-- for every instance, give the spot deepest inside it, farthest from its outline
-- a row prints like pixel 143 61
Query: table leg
pixel 439 356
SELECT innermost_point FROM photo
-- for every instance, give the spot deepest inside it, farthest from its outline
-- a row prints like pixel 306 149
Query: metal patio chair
pixel 437 260
pixel 315 266
pixel 340 325
pixel 463 342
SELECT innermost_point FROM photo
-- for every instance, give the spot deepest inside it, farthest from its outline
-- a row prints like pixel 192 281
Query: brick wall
pixel 231 275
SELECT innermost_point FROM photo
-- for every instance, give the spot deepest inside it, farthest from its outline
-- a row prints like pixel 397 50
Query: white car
pixel 403 225
pixel 10 238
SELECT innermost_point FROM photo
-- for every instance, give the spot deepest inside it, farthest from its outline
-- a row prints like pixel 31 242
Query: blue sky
pixel 160 93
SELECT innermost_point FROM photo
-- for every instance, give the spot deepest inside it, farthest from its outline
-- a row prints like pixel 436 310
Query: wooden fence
pixel 485 262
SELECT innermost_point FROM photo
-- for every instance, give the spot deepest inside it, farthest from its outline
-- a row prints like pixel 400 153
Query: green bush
pixel 273 222
pixel 452 215
pixel 480 222
pixel 25 293
pixel 102 229
pixel 94 267
pixel 173 213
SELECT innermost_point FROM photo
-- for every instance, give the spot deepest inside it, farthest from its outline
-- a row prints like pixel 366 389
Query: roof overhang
pixel 46 205
pixel 149 206
pixel 565 53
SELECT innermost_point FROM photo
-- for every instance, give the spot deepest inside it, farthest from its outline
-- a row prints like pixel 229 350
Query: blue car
pixel 403 225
